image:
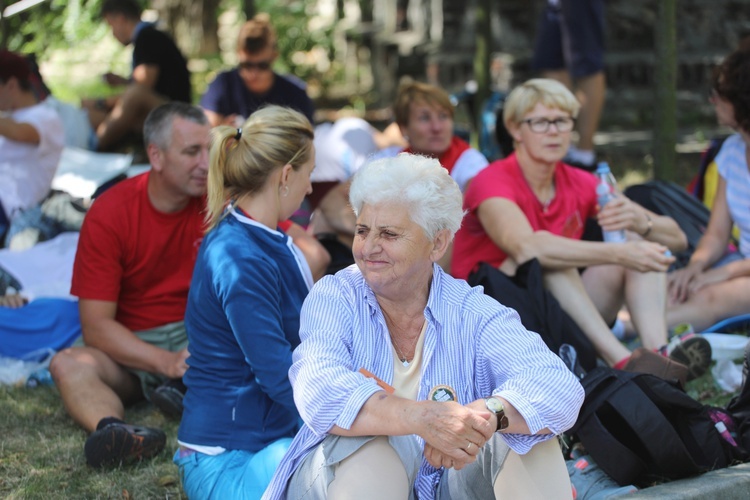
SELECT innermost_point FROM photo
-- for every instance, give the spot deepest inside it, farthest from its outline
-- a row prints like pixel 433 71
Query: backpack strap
pixel 625 432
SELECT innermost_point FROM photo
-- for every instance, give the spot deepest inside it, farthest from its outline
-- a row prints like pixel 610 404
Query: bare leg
pixel 605 286
pixel 644 293
pixel 539 474
pixel 712 304
pixel 594 88
pixel 92 386
pixel 561 75
pixel 96 117
pixel 128 115
pixel 374 471
pixel 646 298
pixel 567 287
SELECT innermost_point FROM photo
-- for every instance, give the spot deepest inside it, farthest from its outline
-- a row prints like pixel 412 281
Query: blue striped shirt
pixel 732 165
pixel 472 343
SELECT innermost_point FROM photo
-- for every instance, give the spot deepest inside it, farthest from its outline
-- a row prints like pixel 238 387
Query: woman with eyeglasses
pixel 530 205
pixel 715 285
pixel 235 94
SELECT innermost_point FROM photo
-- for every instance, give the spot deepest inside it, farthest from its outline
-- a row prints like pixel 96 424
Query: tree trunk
pixel 365 7
pixel 3 28
pixel 248 7
pixel 482 57
pixel 665 105
pixel 192 23
pixel 339 10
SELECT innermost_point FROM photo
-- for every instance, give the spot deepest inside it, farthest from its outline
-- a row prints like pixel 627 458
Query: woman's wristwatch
pixel 496 406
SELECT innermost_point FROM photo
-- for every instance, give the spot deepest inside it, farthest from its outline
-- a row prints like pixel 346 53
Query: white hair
pixel 430 193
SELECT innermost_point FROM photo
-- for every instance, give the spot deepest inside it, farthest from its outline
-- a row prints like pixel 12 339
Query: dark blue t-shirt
pixel 228 95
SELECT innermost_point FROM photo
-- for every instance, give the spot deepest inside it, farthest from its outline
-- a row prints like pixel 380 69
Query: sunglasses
pixel 260 65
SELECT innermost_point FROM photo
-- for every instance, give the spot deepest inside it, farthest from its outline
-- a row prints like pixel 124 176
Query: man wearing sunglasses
pixel 235 94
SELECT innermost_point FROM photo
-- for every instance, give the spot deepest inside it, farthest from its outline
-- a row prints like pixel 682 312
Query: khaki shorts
pixel 475 481
pixel 170 337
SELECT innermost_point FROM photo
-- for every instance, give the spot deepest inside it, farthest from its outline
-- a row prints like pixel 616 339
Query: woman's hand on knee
pixel 646 256
pixel 679 283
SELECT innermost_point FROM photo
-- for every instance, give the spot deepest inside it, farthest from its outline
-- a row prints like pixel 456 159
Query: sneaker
pixel 691 350
pixel 116 444
pixel 591 483
pixel 168 398
pixel 643 360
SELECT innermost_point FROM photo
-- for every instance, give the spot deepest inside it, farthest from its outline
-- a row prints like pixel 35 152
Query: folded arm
pixel 624 214
pixel 19 132
pixel 711 248
pixel 510 230
pixel 102 331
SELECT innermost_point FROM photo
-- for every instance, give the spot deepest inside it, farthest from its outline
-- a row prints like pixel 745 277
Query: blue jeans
pixel 236 474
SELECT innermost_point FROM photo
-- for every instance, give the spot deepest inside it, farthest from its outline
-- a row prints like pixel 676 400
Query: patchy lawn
pixel 41 453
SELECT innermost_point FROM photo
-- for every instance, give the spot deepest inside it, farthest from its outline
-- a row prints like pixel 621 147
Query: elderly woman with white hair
pixel 410 382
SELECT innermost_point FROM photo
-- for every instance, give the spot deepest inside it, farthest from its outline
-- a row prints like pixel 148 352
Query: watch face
pixel 494 405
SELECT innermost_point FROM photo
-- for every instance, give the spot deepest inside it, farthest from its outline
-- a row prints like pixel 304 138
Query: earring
pixel 284 190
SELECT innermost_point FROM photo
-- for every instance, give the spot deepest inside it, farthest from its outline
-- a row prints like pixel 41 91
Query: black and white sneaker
pixel 168 398
pixel 118 444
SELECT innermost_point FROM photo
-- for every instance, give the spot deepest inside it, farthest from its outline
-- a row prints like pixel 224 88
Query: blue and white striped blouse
pixel 732 165
pixel 472 343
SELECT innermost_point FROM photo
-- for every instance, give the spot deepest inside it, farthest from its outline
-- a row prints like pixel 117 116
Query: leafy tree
pixel 60 24
pixel 52 25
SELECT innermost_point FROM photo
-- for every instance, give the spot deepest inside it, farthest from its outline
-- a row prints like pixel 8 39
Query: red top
pixel 140 258
pixel 574 202
pixel 451 155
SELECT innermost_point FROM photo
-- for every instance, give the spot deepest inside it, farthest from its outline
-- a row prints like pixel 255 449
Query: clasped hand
pixel 453 433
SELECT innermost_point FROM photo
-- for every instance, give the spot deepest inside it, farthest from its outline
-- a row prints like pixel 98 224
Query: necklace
pixel 392 326
pixel 404 360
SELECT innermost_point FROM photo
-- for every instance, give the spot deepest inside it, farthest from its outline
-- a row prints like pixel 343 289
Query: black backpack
pixel 539 310
pixel 667 198
pixel 640 428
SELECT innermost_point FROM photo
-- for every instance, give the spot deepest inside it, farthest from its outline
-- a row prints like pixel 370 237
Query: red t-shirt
pixel 140 258
pixel 574 202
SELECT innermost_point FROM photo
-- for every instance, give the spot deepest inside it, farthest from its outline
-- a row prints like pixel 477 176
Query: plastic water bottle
pixel 606 188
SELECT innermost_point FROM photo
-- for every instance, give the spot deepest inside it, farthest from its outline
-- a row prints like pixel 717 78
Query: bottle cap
pixel 602 167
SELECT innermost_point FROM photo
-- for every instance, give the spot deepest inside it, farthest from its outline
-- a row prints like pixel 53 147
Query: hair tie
pixel 239 134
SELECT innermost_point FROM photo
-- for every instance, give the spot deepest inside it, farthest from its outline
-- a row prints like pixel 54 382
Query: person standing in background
pixel 570 49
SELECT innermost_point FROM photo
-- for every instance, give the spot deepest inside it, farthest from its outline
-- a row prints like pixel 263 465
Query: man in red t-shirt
pixel 132 272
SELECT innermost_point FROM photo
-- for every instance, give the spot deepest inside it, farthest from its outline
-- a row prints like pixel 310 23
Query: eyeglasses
pixel 260 65
pixel 541 125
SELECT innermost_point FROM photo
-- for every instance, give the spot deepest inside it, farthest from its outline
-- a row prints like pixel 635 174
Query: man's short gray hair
pixel 432 196
pixel 157 129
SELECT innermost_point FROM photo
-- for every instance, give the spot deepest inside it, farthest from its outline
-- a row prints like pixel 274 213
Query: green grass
pixel 41 453
pixel 705 390
pixel 41 449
